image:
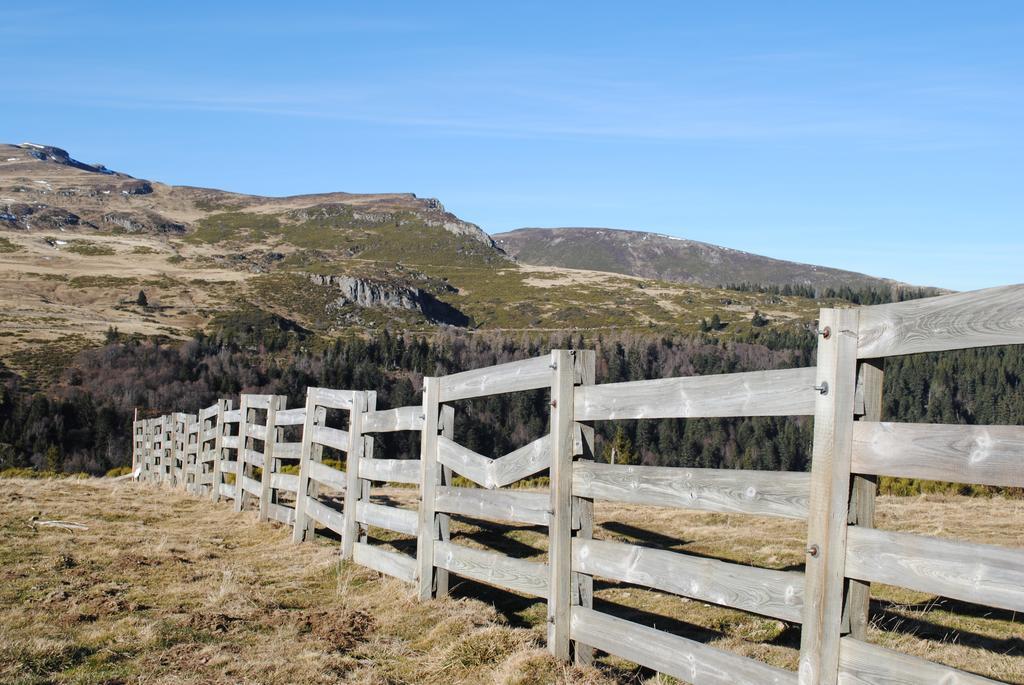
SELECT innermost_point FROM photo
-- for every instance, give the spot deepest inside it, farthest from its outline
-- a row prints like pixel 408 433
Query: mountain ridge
pixel 656 255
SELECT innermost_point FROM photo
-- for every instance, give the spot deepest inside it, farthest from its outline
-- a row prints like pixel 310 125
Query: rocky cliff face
pixel 372 294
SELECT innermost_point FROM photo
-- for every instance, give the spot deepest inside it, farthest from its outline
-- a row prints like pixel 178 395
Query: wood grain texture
pixel 251 486
pixel 786 392
pixel 291 417
pixel 495 473
pixel 334 399
pixel 233 416
pixel 764 493
pixel 430 474
pixel 985 455
pixel 325 516
pixel 863 490
pixel 827 522
pixel 496 505
pixel 391 420
pixel 518 575
pixel 971 572
pixel 353 484
pixel 979 318
pixel 679 657
pixel 394 564
pixel 394 519
pixel 861 663
pixel 560 493
pixel 281 513
pixel 330 437
pixel 327 475
pixel 529 374
pixel 390 470
pixel 308 455
pixel 777 594
pixel 287 450
pixel 284 481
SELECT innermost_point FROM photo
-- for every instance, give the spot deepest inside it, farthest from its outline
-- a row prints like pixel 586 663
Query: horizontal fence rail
pixel 320 466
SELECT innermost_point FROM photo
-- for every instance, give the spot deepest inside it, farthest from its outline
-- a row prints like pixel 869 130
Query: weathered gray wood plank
pixel 861 663
pixel 778 594
pixel 331 437
pixel 518 575
pixel 283 514
pixel 327 475
pixel 325 516
pixel 679 657
pixel 499 505
pixel 495 473
pixel 395 564
pixel 560 496
pixel 291 417
pixel 251 486
pixel 979 318
pixel 391 420
pixel 521 463
pixel 785 392
pixel 287 450
pixel 764 493
pixel 986 455
pixel 390 470
pixel 430 473
pixel 528 374
pixel 827 521
pixel 284 481
pixel 334 399
pixel 982 574
pixel 390 518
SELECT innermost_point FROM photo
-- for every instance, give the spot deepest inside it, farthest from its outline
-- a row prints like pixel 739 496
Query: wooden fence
pixel 324 479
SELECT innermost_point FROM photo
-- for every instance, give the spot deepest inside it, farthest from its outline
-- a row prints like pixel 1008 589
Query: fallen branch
pixel 35 522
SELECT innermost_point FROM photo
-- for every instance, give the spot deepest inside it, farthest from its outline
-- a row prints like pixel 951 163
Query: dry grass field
pixel 166 588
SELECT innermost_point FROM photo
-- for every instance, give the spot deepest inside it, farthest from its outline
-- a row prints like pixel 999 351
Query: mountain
pixel 667 258
pixel 85 249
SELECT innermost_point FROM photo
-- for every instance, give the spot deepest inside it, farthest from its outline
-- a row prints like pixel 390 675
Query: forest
pixel 82 423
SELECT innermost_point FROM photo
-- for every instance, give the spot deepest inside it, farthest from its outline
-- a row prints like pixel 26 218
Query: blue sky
pixel 880 137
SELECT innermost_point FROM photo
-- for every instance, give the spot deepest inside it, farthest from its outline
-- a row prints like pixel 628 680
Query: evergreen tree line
pixel 83 423
pixel 865 295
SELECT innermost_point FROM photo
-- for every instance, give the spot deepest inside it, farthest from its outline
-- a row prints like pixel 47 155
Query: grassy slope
pixel 237 257
pixel 172 589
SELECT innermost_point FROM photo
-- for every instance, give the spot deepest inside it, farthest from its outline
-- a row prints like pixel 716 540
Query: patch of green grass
pixel 143 249
pixel 227 226
pixel 104 281
pixel 7 246
pixel 90 249
pixel 175 259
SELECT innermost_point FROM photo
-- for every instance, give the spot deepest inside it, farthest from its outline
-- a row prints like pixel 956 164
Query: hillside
pixel 78 242
pixel 167 588
pixel 652 255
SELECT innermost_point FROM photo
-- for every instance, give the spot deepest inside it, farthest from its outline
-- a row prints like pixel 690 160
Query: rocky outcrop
pixel 142 222
pixel 27 216
pixel 48 153
pixel 373 294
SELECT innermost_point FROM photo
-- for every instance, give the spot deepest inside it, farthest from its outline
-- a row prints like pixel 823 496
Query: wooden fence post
pixel 560 528
pixel 353 487
pixel 446 427
pixel 245 419
pixel 429 475
pixel 276 403
pixel 311 451
pixel 870 376
pixel 218 448
pixel 583 507
pixel 829 505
